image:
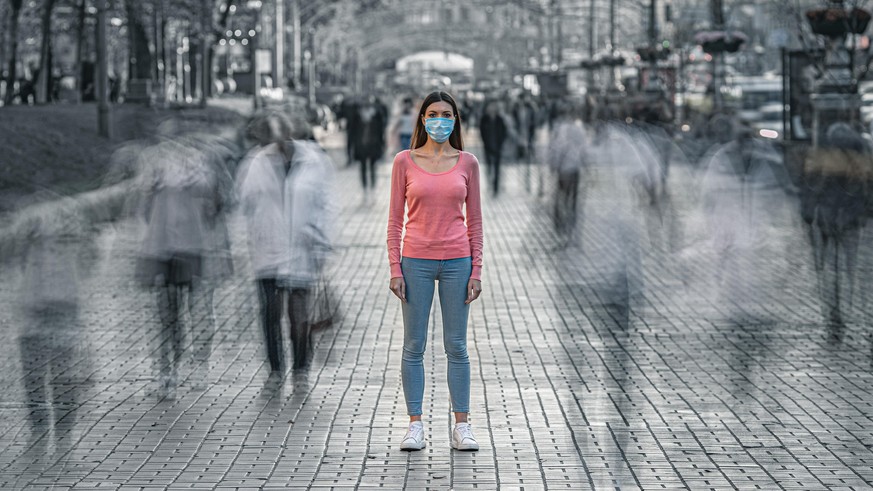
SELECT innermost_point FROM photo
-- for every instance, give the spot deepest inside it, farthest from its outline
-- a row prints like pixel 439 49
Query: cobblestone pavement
pixel 697 389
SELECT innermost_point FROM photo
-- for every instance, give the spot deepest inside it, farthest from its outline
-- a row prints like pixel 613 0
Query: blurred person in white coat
pixel 310 211
pixel 743 200
pixel 283 187
pixel 261 194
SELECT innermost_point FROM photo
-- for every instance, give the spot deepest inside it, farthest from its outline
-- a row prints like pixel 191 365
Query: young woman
pixel 436 180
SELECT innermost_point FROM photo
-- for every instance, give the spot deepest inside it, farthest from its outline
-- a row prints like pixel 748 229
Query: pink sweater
pixel 435 224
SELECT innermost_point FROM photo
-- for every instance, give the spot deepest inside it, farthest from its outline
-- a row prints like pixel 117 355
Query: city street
pixel 698 390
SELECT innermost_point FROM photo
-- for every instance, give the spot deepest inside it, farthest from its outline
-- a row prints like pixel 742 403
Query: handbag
pixel 324 309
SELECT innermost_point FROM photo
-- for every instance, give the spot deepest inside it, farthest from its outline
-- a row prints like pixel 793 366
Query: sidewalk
pixel 563 396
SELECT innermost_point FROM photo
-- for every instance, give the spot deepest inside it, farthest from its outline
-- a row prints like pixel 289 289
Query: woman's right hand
pixel 398 286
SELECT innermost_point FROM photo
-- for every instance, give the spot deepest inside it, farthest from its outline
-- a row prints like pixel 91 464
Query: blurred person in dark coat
pixel 370 139
pixel 525 115
pixel 348 113
pixel 834 199
pixel 493 130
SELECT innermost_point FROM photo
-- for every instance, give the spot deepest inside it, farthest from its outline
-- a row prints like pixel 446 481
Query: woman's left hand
pixel 474 288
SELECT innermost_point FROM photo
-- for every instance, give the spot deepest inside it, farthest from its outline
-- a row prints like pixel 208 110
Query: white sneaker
pixel 462 437
pixel 414 439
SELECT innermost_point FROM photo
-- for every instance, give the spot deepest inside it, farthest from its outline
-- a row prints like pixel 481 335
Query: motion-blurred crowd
pixel 181 185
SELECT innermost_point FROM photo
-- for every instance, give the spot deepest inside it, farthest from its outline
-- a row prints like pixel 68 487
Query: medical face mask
pixel 439 129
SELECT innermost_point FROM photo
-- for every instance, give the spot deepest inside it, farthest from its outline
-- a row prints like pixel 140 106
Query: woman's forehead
pixel 439 107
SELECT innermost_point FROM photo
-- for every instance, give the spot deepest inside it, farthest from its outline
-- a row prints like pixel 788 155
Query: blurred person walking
pixel 493 129
pixel 55 241
pixel 525 115
pixel 436 180
pixel 284 192
pixel 177 193
pixel 219 156
pixel 837 189
pixel 260 191
pixel 742 197
pixel 370 142
pixel 404 124
pixel 567 154
pixel 310 213
pixel 348 113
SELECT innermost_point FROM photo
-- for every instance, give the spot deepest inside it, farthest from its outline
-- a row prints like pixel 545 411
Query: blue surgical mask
pixel 439 129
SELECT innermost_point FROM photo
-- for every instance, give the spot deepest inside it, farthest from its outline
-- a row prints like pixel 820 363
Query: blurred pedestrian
pixel 55 243
pixel 261 193
pixel 567 154
pixel 436 180
pixel 218 155
pixel 57 251
pixel 27 90
pixel 177 192
pixel 348 114
pixel 742 199
pixel 310 212
pixel 833 204
pixel 404 124
pixel 493 129
pixel 617 183
pixel 468 109
pixel 525 114
pixel 285 191
pixel 370 142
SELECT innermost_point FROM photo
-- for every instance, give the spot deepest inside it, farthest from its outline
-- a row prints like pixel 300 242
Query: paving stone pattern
pixel 697 390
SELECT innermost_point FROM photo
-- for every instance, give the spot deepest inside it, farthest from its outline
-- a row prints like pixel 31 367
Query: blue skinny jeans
pixel 453 276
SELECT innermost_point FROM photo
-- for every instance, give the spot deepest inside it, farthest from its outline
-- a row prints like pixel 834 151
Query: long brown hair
pixel 419 135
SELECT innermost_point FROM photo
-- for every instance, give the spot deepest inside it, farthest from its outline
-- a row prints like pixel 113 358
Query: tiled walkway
pixel 705 386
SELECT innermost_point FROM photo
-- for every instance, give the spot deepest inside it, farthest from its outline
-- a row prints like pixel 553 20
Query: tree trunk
pixel 164 59
pixel 157 67
pixel 717 14
pixel 205 66
pixel 80 50
pixel 131 40
pixel 44 79
pixel 4 33
pixel 13 49
pixel 139 63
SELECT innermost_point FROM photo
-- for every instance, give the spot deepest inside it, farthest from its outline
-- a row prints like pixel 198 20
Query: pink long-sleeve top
pixel 436 227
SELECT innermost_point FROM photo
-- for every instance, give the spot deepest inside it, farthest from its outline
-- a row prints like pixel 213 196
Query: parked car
pixel 750 94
